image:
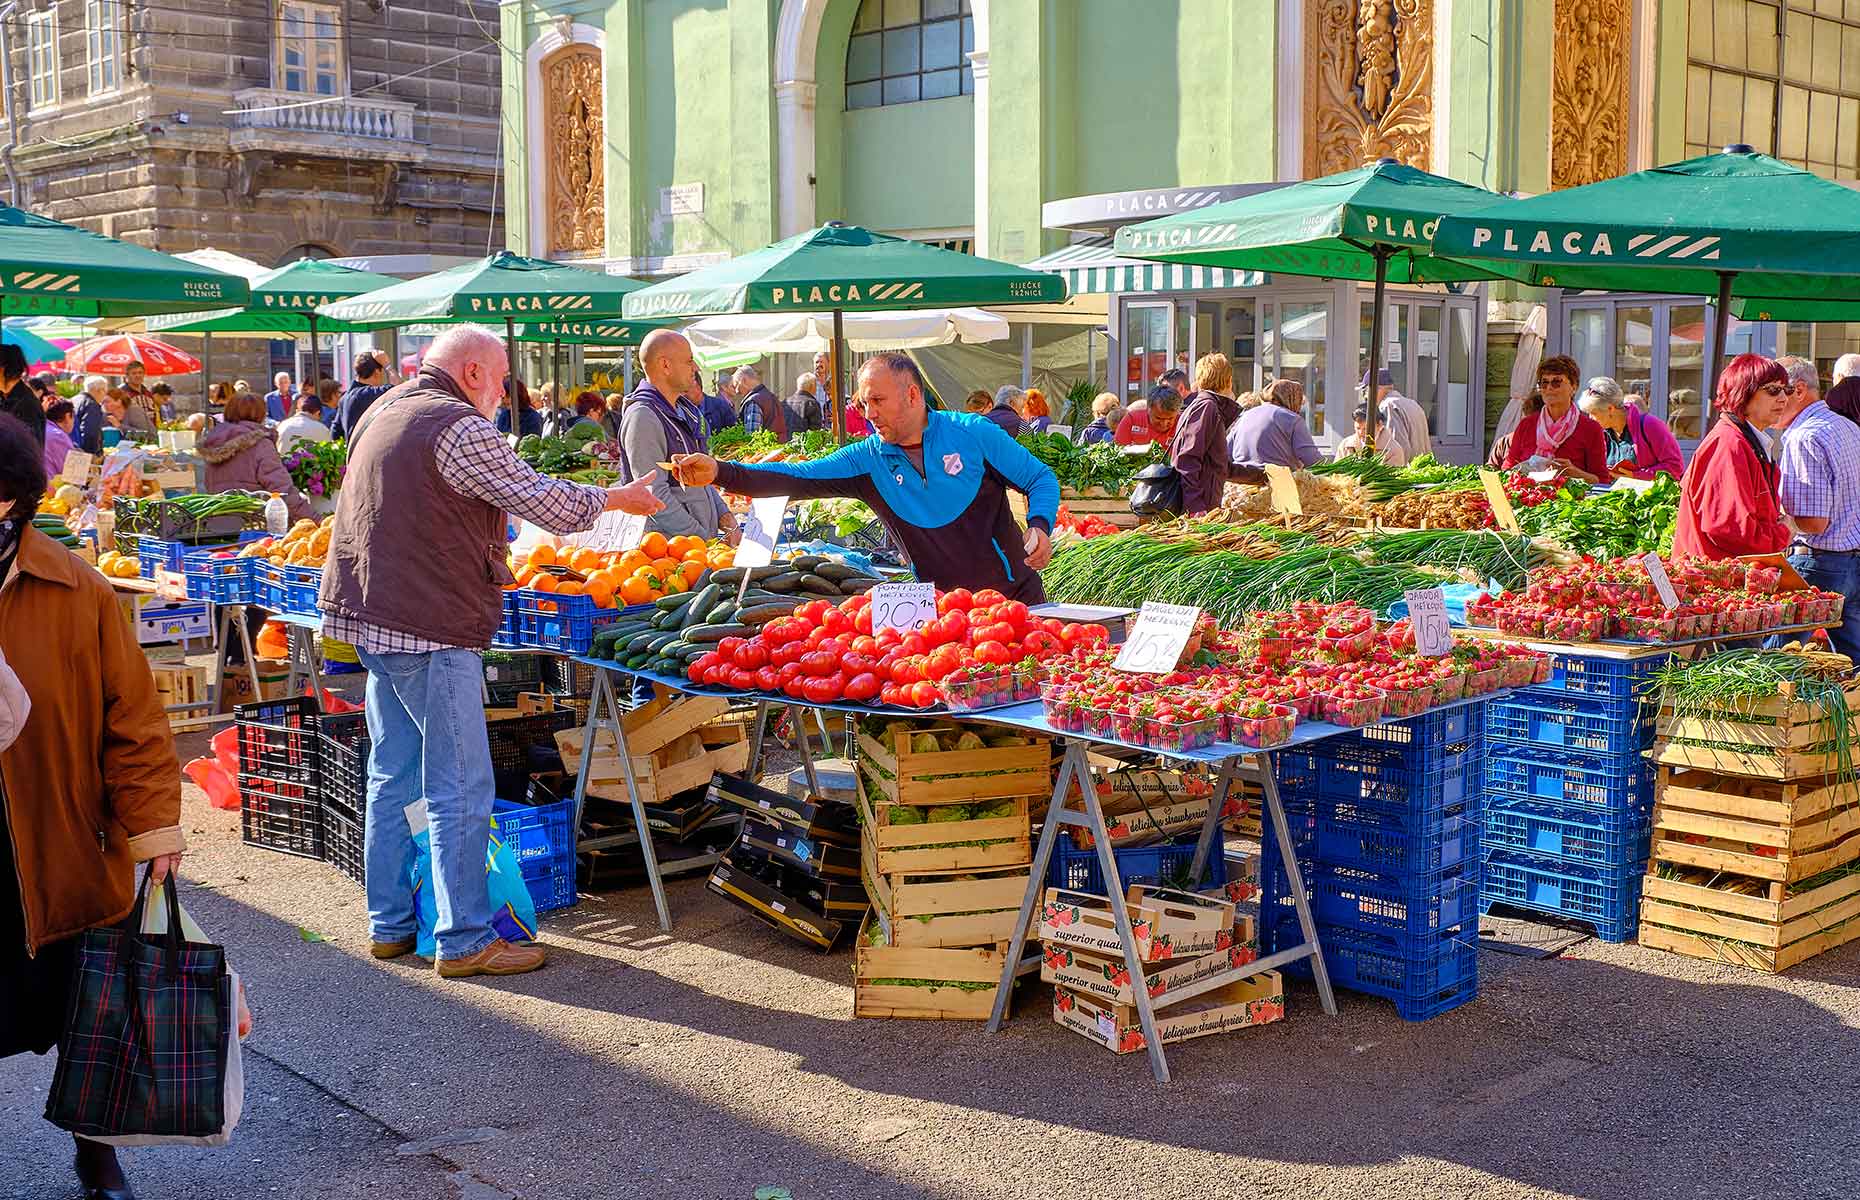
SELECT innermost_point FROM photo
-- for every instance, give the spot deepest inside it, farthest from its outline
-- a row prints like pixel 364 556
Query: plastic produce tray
pixel 1606 897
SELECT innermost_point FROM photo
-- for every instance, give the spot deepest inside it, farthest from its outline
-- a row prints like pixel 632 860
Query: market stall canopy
pixel 37 350
pixel 47 266
pixel 110 354
pixel 504 287
pixel 869 332
pixel 225 260
pixel 591 333
pixel 848 269
pixel 1093 267
pixel 284 302
pixel 1331 227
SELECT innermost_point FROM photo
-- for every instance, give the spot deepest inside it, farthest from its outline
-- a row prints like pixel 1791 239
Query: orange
pixel 675 582
pixel 601 591
pixel 525 575
pixel 662 564
pixel 542 555
pixel 545 583
pixel 636 591
pixel 653 545
pixel 632 561
pixel 682 545
pixel 571 588
pixel 584 560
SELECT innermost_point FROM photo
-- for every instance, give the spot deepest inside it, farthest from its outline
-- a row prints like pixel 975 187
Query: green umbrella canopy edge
pixel 50 268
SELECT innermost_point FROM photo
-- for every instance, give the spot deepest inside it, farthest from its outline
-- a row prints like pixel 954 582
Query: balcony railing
pixel 362 117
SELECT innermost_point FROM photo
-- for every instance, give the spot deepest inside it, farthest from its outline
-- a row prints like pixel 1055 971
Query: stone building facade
pixel 273 129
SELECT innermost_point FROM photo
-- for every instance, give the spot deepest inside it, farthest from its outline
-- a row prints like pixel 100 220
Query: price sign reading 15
pixel 905 607
pixel 1157 639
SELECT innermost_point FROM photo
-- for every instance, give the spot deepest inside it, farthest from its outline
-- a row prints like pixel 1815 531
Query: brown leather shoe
pixel 391 949
pixel 498 958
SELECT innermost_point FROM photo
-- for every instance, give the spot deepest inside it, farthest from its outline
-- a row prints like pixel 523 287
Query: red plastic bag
pixel 221 788
pixel 226 749
pixel 332 703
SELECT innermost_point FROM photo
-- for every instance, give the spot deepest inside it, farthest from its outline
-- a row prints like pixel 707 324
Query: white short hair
pixel 93 382
pixel 1802 371
pixel 1845 365
pixel 745 374
pixel 807 382
pixel 1602 392
pixel 281 378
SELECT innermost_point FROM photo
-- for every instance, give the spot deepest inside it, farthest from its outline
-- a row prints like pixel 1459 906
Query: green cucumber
pixel 818 586
pixel 859 586
pixel 807 562
pixel 719 613
pixel 716 632
pixel 779 567
pixel 835 571
pixel 701 604
pixel 787 581
pixel 762 614
pixel 667 603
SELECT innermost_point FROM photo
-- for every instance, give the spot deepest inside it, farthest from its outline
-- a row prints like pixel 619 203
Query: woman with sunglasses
pixel 1561 432
pixel 1728 503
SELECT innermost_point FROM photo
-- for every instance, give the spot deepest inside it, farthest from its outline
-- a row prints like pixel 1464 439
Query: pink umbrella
pixel 109 355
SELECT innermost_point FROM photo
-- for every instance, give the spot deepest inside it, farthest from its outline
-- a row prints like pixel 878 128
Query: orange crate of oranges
pixel 658 567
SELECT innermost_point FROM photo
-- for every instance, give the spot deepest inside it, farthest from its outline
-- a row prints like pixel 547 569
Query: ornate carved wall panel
pixel 1369 90
pixel 575 192
pixel 1589 92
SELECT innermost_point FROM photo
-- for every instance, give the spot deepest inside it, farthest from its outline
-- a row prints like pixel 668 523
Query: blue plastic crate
pixel 301 584
pixel 1603 678
pixel 1424 978
pixel 153 553
pixel 1617 782
pixel 1573 832
pixel 1077 870
pixel 225 580
pixel 1361 835
pixel 1426 734
pixel 506 636
pixel 547 621
pixel 1396 905
pixel 1606 897
pixel 1569 722
pixel 267 585
pixel 543 840
pixel 1352 770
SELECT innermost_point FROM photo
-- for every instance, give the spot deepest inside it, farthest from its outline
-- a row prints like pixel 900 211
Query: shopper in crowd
pixel 611 408
pixel 759 408
pixel 135 393
pixel 372 381
pixel 305 425
pixel 1728 499
pixel 1388 450
pixel 220 393
pixel 1274 431
pixel 1528 409
pixel 1844 390
pixel 17 399
pixel 978 402
pixel 278 399
pixel 414 581
pixel 529 421
pixel 242 455
pixel 242 387
pixel 857 424
pixel 164 401
pixel 1164 412
pixel 1819 486
pixel 89 784
pixel 1198 443
pixel 1640 445
pixel 589 407
pixel 1569 439
pixel 1399 417
pixel 1037 417
pixel 938 480
pixel 660 422
pixel 60 416
pixel 719 413
pixel 125 415
pixel 823 375
pixel 1104 418
pixel 1177 378
pixel 805 412
pixel 1133 429
pixel 87 433
pixel 1005 410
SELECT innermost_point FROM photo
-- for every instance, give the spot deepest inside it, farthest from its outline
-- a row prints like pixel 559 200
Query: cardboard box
pixel 1254 1001
pixel 1108 979
pixel 842 898
pixel 180 685
pixel 804 816
pixel 1165 924
pixel 785 913
pixel 274 676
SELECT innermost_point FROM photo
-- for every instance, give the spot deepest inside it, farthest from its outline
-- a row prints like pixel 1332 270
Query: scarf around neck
pixel 1551 434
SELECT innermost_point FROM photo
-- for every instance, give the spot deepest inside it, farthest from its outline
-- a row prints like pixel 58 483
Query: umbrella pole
pixel 555 372
pixel 1721 328
pixel 316 360
pixel 1375 345
pixel 510 356
pixel 836 367
pixel 206 373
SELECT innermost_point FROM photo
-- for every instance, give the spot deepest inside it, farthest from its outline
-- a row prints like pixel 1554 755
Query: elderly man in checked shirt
pixel 417 565
pixel 1820 470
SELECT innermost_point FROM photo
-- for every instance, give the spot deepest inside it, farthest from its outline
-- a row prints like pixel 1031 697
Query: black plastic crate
pixel 280 815
pixel 343 770
pixel 342 844
pixel 566 677
pixel 507 675
pixel 523 745
pixel 278 739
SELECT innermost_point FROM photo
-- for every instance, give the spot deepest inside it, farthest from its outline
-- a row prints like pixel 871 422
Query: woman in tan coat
pixel 89 787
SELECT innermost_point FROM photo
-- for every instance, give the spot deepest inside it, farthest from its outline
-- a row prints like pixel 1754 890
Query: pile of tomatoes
pixel 826 652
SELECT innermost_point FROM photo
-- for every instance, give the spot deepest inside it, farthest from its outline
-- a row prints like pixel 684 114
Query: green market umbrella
pixel 1373 223
pixel 48 267
pixel 843 268
pixel 586 333
pixel 1734 225
pixel 503 287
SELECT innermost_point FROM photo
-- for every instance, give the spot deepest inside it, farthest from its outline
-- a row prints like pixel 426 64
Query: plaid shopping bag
pixel 145 1044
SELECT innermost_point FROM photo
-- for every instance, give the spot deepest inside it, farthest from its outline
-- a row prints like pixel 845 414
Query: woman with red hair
pixel 1728 502
pixel 1036 416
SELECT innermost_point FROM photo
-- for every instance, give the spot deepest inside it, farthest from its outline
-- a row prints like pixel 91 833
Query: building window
pixel 1791 90
pixel 42 57
pixel 103 44
pixel 906 50
pixel 309 55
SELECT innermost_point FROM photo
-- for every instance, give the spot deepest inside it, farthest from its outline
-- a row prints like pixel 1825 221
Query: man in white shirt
pixel 305 426
pixel 1400 418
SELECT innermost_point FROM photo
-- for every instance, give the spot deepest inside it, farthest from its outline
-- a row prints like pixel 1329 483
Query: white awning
pixel 1093 266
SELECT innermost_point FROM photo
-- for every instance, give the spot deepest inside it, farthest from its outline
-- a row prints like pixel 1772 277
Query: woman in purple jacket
pixel 1198 450
pixel 1639 445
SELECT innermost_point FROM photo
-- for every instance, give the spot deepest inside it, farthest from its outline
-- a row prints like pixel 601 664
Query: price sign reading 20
pixel 1157 639
pixel 905 607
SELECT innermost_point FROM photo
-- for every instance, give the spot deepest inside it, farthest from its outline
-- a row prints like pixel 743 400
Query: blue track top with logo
pixel 951 518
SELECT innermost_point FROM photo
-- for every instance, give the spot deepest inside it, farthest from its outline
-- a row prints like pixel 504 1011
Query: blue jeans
pixel 426 725
pixel 1835 573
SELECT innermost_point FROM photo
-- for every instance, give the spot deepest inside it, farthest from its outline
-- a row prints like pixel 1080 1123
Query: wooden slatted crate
pixel 1781 737
pixel 1008 778
pixel 964 969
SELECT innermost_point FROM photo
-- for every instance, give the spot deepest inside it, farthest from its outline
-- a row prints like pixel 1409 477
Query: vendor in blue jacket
pixel 937 480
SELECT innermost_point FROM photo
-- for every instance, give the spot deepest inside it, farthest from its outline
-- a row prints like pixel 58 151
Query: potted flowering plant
pixel 316 468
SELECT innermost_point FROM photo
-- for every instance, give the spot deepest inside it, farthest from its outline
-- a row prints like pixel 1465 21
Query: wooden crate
pixel 658 775
pixel 180 684
pixel 944 846
pixel 1745 922
pixel 958 776
pixel 1780 737
pixel 666 717
pixel 937 911
pixel 1114 510
pixel 1779 831
pixel 874 960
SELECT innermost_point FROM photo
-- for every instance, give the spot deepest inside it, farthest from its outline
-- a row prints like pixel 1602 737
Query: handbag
pixel 1158 491
pixel 148 1043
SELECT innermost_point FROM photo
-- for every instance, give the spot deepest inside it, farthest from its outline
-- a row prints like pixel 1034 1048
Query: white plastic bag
pixel 155 921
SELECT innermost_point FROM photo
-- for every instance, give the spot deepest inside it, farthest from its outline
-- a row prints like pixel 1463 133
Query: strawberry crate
pixel 1603 678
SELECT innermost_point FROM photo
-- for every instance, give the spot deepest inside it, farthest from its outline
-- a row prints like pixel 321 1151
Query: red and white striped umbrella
pixel 109 355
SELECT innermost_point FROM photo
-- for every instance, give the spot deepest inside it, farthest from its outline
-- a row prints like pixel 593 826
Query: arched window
pixel 906 50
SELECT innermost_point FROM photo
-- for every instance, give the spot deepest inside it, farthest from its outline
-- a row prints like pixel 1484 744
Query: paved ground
pixel 723 1060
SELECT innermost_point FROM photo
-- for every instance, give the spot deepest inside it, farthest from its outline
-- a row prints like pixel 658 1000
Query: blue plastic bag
pixel 513 913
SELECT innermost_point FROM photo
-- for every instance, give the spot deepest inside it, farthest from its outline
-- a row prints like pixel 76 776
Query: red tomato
pixel 888 637
pixel 696 673
pixel 1053 625
pixel 913 643
pixel 862 619
pixel 908 669
pixel 730 645
pixel 835 621
pixel 1013 612
pixel 742 680
pixel 787 671
pixel 1000 631
pixel 888 694
pixel 819 664
pixel 794 686
pixel 865 644
pixel 854 663
pixel 943 660
pixel 960 600
pixel 751 655
pixel 768 679
pixel 816 635
pixel 951 627
pixel 821 690
pixel 925 694
pixel 863 686
pixel 993 652
pixel 988 598
pixel 1040 642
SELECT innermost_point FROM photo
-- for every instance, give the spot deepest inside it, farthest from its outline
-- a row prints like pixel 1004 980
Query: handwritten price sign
pixel 613 532
pixel 761 530
pixel 1662 583
pixel 1427 611
pixel 1157 639
pixel 1502 512
pixel 905 607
